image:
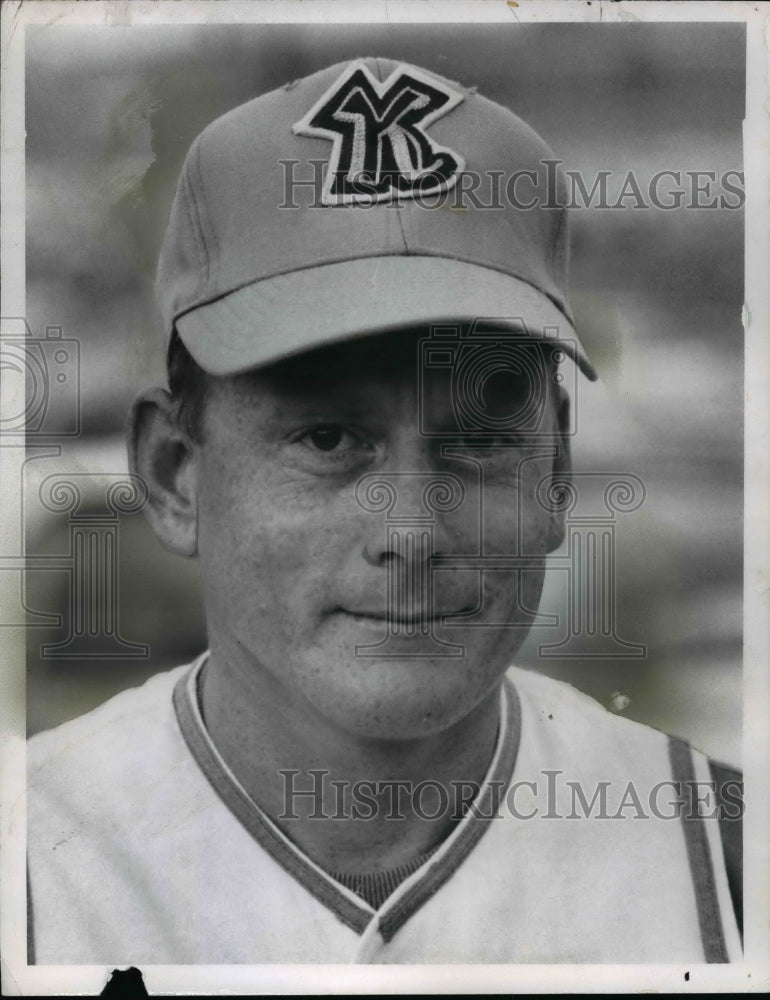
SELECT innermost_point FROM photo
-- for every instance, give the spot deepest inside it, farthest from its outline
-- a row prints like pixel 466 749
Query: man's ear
pixel 562 469
pixel 163 455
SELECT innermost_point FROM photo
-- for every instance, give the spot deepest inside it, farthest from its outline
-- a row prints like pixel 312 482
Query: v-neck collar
pixel 419 887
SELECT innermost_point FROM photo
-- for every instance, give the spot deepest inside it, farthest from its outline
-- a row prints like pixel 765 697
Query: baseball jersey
pixel 145 849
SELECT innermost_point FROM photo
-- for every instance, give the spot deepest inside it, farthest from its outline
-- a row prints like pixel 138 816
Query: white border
pixel 754 973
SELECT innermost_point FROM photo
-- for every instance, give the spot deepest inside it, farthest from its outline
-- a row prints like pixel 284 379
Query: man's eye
pixel 334 439
pixel 326 438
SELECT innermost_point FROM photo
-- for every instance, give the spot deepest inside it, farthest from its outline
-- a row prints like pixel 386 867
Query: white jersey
pixel 145 849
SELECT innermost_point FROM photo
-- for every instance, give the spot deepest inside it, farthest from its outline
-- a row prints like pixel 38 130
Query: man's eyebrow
pixel 322 409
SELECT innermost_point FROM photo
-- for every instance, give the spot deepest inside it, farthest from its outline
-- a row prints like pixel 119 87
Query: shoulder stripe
pixel 698 855
pixel 731 830
pixel 30 924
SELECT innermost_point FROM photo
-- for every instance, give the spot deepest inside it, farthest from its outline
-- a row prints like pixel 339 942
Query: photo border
pixel 752 973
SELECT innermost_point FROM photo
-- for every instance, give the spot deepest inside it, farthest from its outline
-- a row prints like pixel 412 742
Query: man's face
pixel 331 488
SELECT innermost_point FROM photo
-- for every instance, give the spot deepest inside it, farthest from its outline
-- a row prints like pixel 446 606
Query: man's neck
pixel 278 747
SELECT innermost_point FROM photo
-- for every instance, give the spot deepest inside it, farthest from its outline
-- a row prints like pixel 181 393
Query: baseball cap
pixel 337 206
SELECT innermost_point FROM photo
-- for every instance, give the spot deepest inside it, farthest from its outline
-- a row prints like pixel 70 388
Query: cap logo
pixel 380 149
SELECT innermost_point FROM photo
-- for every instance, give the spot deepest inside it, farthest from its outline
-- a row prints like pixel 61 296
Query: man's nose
pixel 415 515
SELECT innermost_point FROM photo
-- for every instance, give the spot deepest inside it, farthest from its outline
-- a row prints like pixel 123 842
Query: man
pixel 366 444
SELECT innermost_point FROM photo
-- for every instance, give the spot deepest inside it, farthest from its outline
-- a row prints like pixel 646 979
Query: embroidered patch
pixel 380 149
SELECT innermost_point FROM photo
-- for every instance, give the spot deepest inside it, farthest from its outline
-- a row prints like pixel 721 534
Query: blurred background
pixel 110 113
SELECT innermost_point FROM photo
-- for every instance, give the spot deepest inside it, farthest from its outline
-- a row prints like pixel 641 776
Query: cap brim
pixel 299 311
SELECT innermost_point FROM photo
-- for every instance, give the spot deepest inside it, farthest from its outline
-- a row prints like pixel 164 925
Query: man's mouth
pixel 393 617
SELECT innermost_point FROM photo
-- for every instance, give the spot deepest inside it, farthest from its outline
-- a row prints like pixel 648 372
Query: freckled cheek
pixel 268 542
pixel 514 523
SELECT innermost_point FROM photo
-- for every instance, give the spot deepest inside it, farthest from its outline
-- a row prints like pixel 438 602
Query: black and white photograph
pixel 385 475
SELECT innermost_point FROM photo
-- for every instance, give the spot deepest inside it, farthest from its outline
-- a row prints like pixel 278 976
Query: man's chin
pixel 397 698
